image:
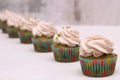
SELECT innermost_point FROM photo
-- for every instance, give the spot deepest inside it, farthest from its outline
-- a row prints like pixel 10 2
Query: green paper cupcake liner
pixel 4 26
pixel 4 30
pixel 25 37
pixel 98 67
pixel 69 54
pixel 12 32
pixel 0 24
pixel 42 45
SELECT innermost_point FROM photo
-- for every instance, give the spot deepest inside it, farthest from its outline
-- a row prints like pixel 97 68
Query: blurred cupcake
pixel 66 45
pixel 25 31
pixel 0 23
pixel 43 36
pixel 97 57
pixel 3 21
pixel 13 25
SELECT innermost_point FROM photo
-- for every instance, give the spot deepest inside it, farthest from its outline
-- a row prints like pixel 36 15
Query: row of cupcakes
pixel 94 52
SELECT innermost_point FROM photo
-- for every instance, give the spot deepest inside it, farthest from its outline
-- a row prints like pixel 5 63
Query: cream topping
pixel 67 36
pixel 15 21
pixel 95 45
pixel 44 29
pixel 29 23
pixel 4 16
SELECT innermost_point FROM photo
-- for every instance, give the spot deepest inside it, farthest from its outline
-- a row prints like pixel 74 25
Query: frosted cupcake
pixel 3 21
pixel 66 45
pixel 97 57
pixel 13 25
pixel 0 21
pixel 43 36
pixel 25 31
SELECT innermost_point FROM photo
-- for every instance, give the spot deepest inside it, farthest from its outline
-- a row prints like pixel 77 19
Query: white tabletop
pixel 20 61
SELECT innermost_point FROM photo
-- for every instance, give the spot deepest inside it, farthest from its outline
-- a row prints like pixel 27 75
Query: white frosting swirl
pixel 15 21
pixel 67 36
pixel 29 24
pixel 12 19
pixel 4 16
pixel 44 29
pixel 96 46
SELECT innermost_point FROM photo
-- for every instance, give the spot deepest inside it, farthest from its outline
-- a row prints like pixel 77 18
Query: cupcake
pixel 13 25
pixel 3 21
pixel 25 31
pixel 66 45
pixel 96 56
pixel 43 36
pixel 0 23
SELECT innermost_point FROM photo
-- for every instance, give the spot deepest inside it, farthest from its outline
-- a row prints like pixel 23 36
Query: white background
pixel 20 61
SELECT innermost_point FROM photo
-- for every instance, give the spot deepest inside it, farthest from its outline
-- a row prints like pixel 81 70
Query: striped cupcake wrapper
pixel 42 45
pixel 4 26
pixel 4 30
pixel 0 24
pixel 65 54
pixel 98 68
pixel 12 32
pixel 25 38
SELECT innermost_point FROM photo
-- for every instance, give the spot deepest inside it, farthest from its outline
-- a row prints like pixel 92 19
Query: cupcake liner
pixel 98 68
pixel 25 37
pixel 42 45
pixel 4 30
pixel 69 54
pixel 0 24
pixel 12 32
pixel 4 26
